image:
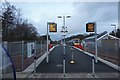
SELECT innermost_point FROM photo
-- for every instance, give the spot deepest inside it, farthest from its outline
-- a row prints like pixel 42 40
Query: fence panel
pixel 19 54
pixel 7 68
pixel 107 48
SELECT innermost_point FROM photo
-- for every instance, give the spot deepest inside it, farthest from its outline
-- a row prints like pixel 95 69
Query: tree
pixel 8 19
pixel 24 31
pixel 14 27
pixel 117 33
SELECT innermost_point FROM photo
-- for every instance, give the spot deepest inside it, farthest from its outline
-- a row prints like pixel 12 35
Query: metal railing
pixel 108 47
pixel 19 53
pixel 7 69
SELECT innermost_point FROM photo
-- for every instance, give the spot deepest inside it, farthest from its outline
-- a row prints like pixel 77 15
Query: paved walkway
pixel 46 71
pixel 68 75
pixel 83 63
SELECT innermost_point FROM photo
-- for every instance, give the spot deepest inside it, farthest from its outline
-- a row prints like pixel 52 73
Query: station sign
pixel 52 27
pixel 30 49
pixel 90 27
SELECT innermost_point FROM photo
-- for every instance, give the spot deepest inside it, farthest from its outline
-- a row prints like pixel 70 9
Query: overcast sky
pixel 39 13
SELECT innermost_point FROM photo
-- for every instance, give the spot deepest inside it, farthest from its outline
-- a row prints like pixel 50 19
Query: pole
pixel 41 46
pixel 47 43
pixel 115 36
pixel 115 39
pixel 61 40
pixel 35 59
pixel 93 66
pixel 64 66
pixel 64 28
pixel 63 46
pixel 64 59
pixel 96 51
pixel 1 58
pixel 107 49
pixel 115 31
pixel 72 55
pixel 22 55
pixel 64 22
pixel 1 47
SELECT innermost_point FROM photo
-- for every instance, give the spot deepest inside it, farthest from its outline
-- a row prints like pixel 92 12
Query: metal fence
pixel 7 69
pixel 108 47
pixel 19 55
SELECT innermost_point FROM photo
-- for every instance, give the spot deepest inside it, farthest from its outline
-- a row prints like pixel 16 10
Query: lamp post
pixel 47 57
pixel 115 28
pixel 96 48
pixel 1 76
pixel 0 30
pixel 64 31
pixel 114 25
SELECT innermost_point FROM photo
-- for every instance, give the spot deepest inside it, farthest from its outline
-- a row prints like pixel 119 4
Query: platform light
pixel 72 62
